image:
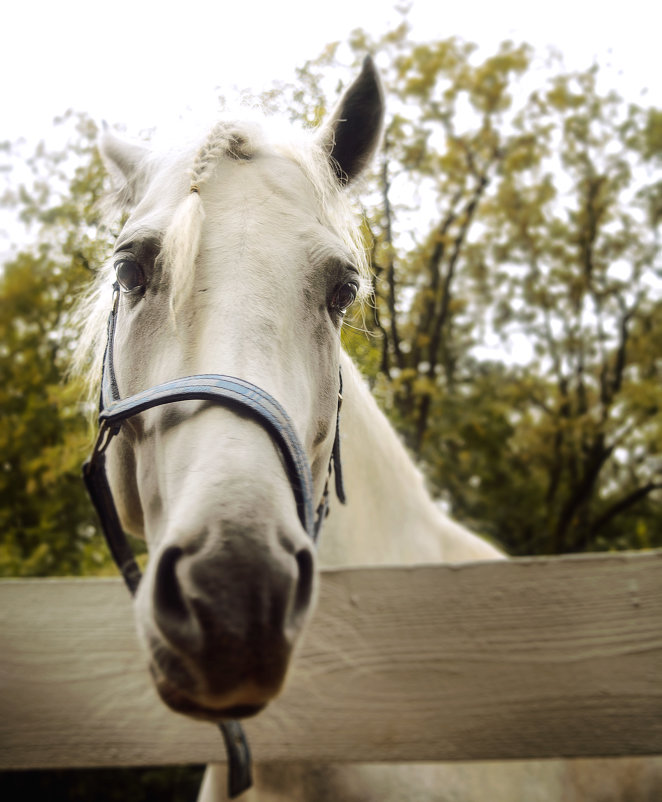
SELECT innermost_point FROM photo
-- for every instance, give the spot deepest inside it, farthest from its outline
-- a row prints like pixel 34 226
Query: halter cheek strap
pixel 242 397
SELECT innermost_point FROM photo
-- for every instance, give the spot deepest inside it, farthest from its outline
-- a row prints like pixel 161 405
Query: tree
pixel 47 524
pixel 576 270
pixel 529 220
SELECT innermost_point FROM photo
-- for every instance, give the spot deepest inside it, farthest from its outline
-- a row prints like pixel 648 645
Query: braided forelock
pixel 224 140
pixel 243 141
pixel 182 239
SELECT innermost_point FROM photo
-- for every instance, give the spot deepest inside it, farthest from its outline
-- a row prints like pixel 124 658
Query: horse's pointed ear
pixel 124 162
pixel 353 132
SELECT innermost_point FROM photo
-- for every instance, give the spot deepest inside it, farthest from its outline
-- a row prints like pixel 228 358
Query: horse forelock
pixel 225 140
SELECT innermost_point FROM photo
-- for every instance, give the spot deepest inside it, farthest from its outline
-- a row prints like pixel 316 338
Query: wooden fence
pixel 525 659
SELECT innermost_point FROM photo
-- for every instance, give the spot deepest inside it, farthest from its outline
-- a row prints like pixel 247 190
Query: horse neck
pixel 389 517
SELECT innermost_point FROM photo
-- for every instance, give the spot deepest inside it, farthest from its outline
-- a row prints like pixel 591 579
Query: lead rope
pixel 240 775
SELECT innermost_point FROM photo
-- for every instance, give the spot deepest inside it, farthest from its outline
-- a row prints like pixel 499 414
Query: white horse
pixel 240 256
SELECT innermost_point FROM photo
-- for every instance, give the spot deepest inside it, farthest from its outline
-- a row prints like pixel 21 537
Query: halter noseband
pixel 235 394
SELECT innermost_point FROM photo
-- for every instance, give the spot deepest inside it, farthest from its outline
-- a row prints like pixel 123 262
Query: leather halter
pixel 242 397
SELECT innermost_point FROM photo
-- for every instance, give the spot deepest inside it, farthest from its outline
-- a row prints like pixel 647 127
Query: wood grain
pixel 525 659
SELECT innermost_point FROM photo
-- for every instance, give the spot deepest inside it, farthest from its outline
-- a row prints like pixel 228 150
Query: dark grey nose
pixel 233 614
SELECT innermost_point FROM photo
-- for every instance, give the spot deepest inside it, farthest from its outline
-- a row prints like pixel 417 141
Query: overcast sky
pixel 145 63
pixel 142 62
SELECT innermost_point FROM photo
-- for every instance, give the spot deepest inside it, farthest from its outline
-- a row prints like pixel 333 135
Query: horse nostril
pixel 168 599
pixel 217 606
pixel 172 610
pixel 306 566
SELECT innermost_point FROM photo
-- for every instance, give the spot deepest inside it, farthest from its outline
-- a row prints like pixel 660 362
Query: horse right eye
pixel 129 274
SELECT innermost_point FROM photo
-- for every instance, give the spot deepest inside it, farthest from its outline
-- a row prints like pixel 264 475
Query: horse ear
pixel 353 132
pixel 123 160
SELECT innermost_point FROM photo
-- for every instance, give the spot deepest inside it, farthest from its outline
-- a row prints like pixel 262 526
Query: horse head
pixel 238 257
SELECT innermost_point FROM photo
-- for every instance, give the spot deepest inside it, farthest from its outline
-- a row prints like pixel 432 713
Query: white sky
pixel 145 63
pixel 142 62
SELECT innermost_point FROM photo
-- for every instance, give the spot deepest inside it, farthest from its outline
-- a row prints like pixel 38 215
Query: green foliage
pixel 47 524
pixel 530 221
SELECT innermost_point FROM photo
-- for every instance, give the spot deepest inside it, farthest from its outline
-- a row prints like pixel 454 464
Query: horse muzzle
pixel 220 617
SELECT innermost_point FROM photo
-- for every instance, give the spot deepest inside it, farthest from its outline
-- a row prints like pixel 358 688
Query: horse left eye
pixel 344 297
pixel 129 274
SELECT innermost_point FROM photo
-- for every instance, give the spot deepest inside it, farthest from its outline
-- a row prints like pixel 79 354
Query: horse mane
pixel 226 139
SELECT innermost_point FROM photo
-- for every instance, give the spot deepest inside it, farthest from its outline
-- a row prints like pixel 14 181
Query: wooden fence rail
pixel 525 659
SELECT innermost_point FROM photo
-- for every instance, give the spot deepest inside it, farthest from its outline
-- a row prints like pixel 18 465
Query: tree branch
pixel 377 271
pixel 581 492
pixel 442 305
pixel 623 504
pixel 390 263
pixel 434 269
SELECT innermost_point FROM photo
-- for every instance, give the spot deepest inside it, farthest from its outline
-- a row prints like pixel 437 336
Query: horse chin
pixel 236 706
